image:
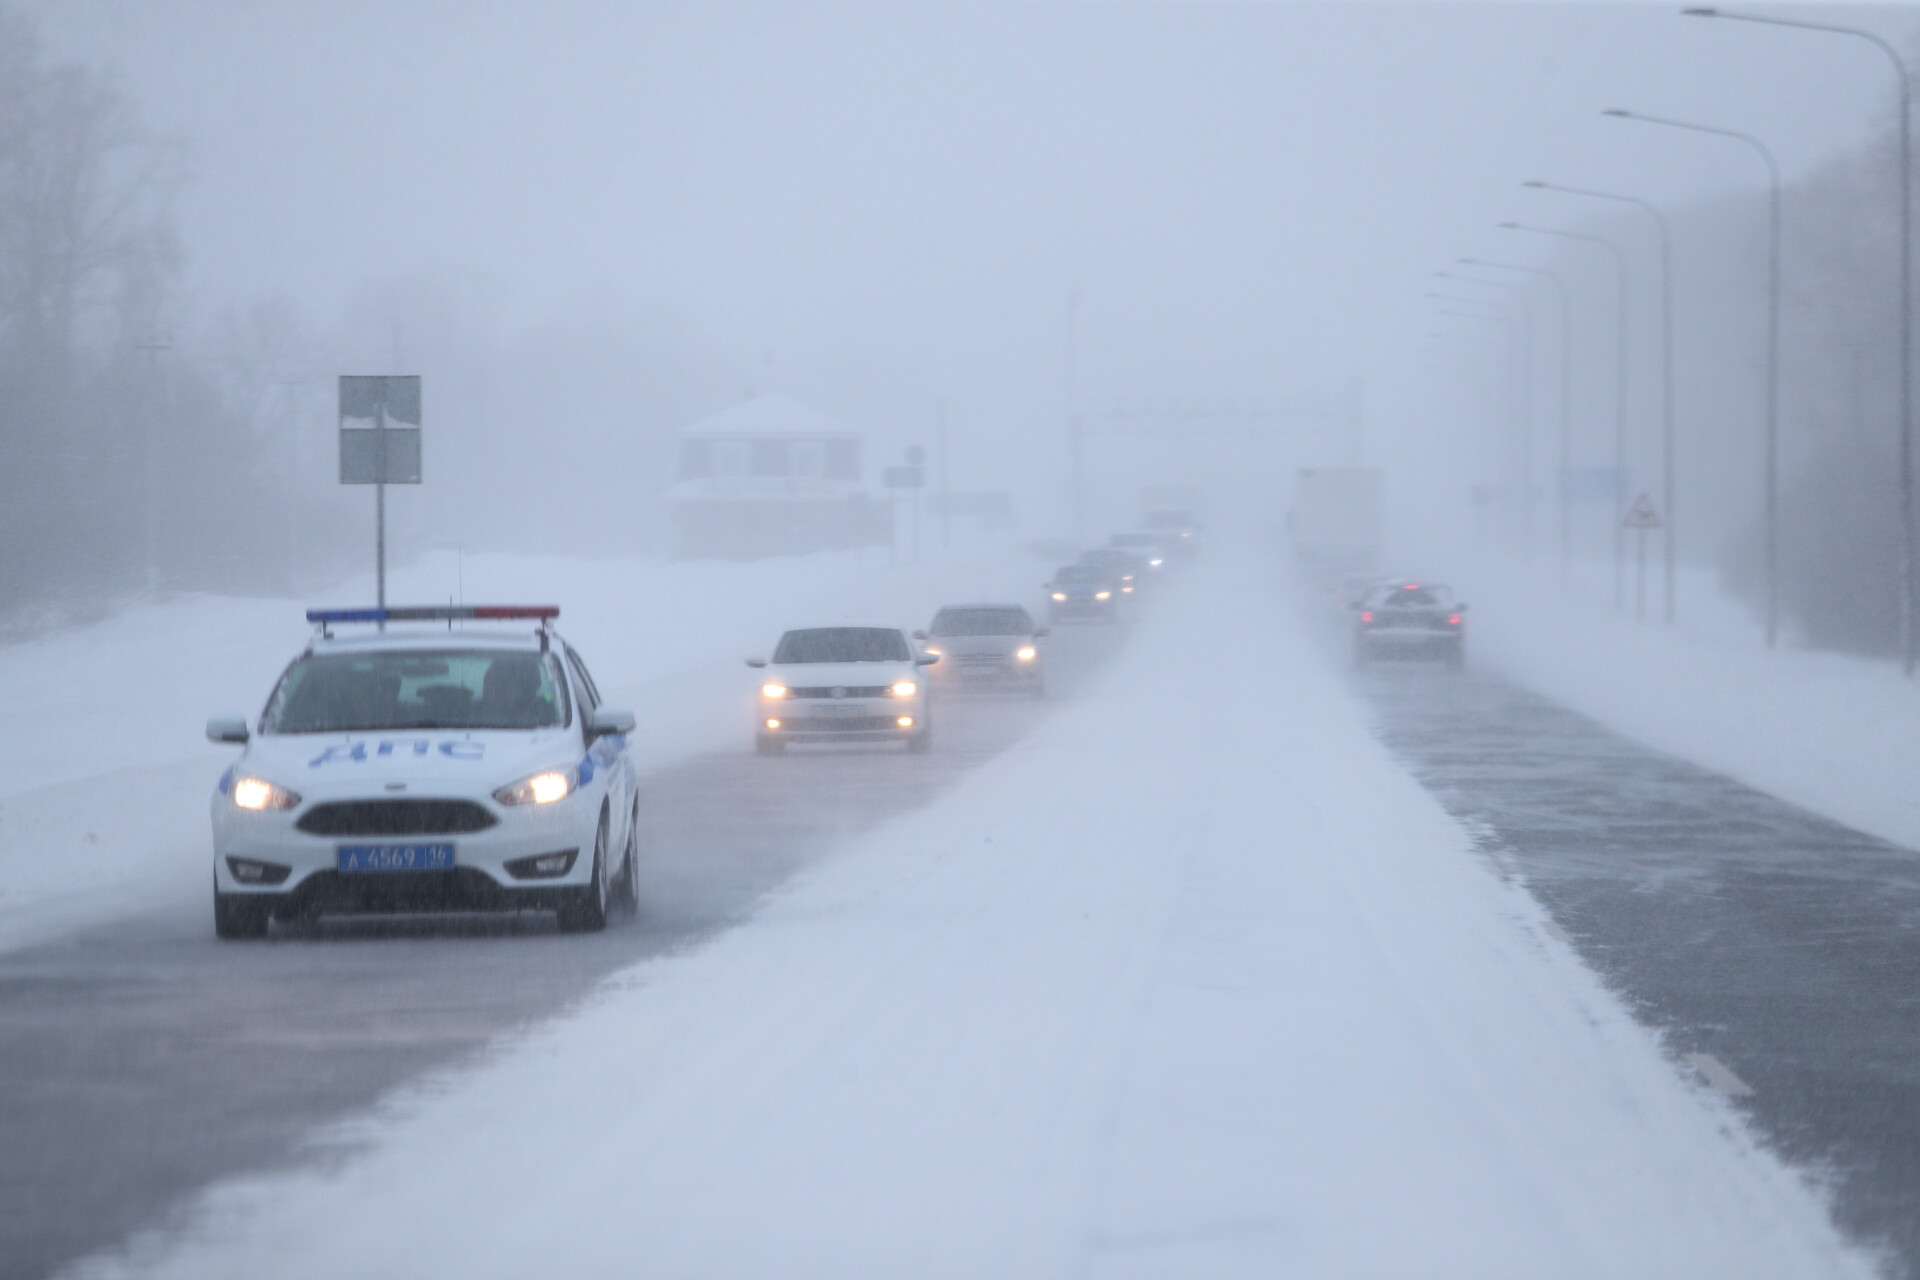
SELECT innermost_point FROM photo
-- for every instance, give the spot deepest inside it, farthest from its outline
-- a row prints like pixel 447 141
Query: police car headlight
pixel 904 689
pixel 258 793
pixel 541 788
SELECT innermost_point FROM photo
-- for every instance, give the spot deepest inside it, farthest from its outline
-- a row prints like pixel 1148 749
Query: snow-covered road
pixel 1192 980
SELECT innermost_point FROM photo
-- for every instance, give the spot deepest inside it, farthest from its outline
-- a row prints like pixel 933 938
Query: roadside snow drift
pixel 1193 982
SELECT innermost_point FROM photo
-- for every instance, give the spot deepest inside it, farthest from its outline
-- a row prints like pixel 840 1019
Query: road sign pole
pixel 1640 575
pixel 380 515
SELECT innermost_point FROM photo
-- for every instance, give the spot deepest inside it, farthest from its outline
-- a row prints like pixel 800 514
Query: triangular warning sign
pixel 1641 515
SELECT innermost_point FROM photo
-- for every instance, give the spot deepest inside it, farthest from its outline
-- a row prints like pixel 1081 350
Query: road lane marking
pixel 1718 1075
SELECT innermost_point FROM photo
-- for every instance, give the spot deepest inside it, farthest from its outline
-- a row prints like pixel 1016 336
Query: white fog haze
pixel 1329 597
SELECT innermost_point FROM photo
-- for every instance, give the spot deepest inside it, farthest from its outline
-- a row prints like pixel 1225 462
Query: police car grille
pixel 395 818
pixel 852 691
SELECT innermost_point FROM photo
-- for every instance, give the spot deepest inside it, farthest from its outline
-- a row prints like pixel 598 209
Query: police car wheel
pixel 586 912
pixel 239 915
pixel 630 864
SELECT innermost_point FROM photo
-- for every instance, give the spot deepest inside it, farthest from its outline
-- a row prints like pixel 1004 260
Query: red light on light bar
pixel 1453 620
pixel 1367 617
pixel 516 611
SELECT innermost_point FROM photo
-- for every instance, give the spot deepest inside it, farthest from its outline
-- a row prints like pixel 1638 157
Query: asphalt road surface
pixel 145 1060
pixel 1783 947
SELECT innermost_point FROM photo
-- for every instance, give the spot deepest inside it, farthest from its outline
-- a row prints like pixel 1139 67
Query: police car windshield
pixel 418 689
pixel 982 622
pixel 843 644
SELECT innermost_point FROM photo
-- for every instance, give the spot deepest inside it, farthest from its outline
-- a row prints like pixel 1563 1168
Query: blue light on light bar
pixel 438 613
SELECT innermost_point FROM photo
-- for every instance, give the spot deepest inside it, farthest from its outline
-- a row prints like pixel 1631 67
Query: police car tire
pixel 240 915
pixel 586 910
pixel 629 886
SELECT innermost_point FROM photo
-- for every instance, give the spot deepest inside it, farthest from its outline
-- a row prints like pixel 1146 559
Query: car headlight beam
pixel 544 787
pixel 258 794
pixel 904 689
pixel 772 689
pixel 1026 653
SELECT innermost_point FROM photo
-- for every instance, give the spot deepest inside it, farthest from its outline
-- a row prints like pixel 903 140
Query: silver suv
pixel 988 646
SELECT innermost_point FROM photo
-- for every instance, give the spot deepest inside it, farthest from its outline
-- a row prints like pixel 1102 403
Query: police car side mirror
pixel 231 729
pixel 756 662
pixel 926 660
pixel 606 721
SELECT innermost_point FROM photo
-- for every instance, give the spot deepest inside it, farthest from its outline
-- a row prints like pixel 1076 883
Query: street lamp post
pixel 1075 444
pixel 1525 438
pixel 1772 465
pixel 1619 389
pixel 1566 388
pixel 1487 460
pixel 1668 480
pixel 1519 344
pixel 1909 514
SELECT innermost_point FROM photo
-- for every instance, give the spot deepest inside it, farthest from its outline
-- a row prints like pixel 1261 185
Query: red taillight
pixel 1366 617
pixel 1453 619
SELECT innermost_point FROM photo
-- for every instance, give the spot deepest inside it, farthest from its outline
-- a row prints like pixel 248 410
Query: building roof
pixel 769 415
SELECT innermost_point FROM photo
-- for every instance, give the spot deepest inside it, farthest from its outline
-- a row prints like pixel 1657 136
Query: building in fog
pixel 770 477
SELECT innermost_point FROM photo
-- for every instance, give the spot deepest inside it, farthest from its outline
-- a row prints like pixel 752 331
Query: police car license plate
pixel 395 857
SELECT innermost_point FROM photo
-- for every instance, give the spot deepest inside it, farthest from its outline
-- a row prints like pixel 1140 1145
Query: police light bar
pixel 438 613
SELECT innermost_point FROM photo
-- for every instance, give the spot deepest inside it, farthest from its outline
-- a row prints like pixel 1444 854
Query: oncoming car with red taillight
pixel 415 769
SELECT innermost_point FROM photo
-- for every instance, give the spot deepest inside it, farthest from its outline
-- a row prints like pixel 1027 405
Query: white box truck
pixel 1338 517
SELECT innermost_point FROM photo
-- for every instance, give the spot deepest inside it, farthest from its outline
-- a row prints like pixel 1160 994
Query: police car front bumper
pixel 528 859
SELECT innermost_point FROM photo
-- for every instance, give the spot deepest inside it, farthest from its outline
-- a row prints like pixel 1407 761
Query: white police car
pixel 423 769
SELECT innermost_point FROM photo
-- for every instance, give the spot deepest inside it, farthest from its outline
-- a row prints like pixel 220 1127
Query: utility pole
pixel 946 488
pixel 149 485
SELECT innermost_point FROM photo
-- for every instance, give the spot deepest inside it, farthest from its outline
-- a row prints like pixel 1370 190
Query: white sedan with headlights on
pixel 427 768
pixel 843 684
pixel 988 646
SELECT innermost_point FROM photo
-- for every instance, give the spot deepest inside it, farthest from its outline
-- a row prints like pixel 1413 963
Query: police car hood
pixel 421 762
pixel 811 675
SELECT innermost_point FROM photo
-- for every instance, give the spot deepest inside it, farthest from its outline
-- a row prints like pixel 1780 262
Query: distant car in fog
pixel 424 769
pixel 1180 527
pixel 1409 620
pixel 1128 568
pixel 1083 591
pixel 987 645
pixel 1150 547
pixel 844 684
